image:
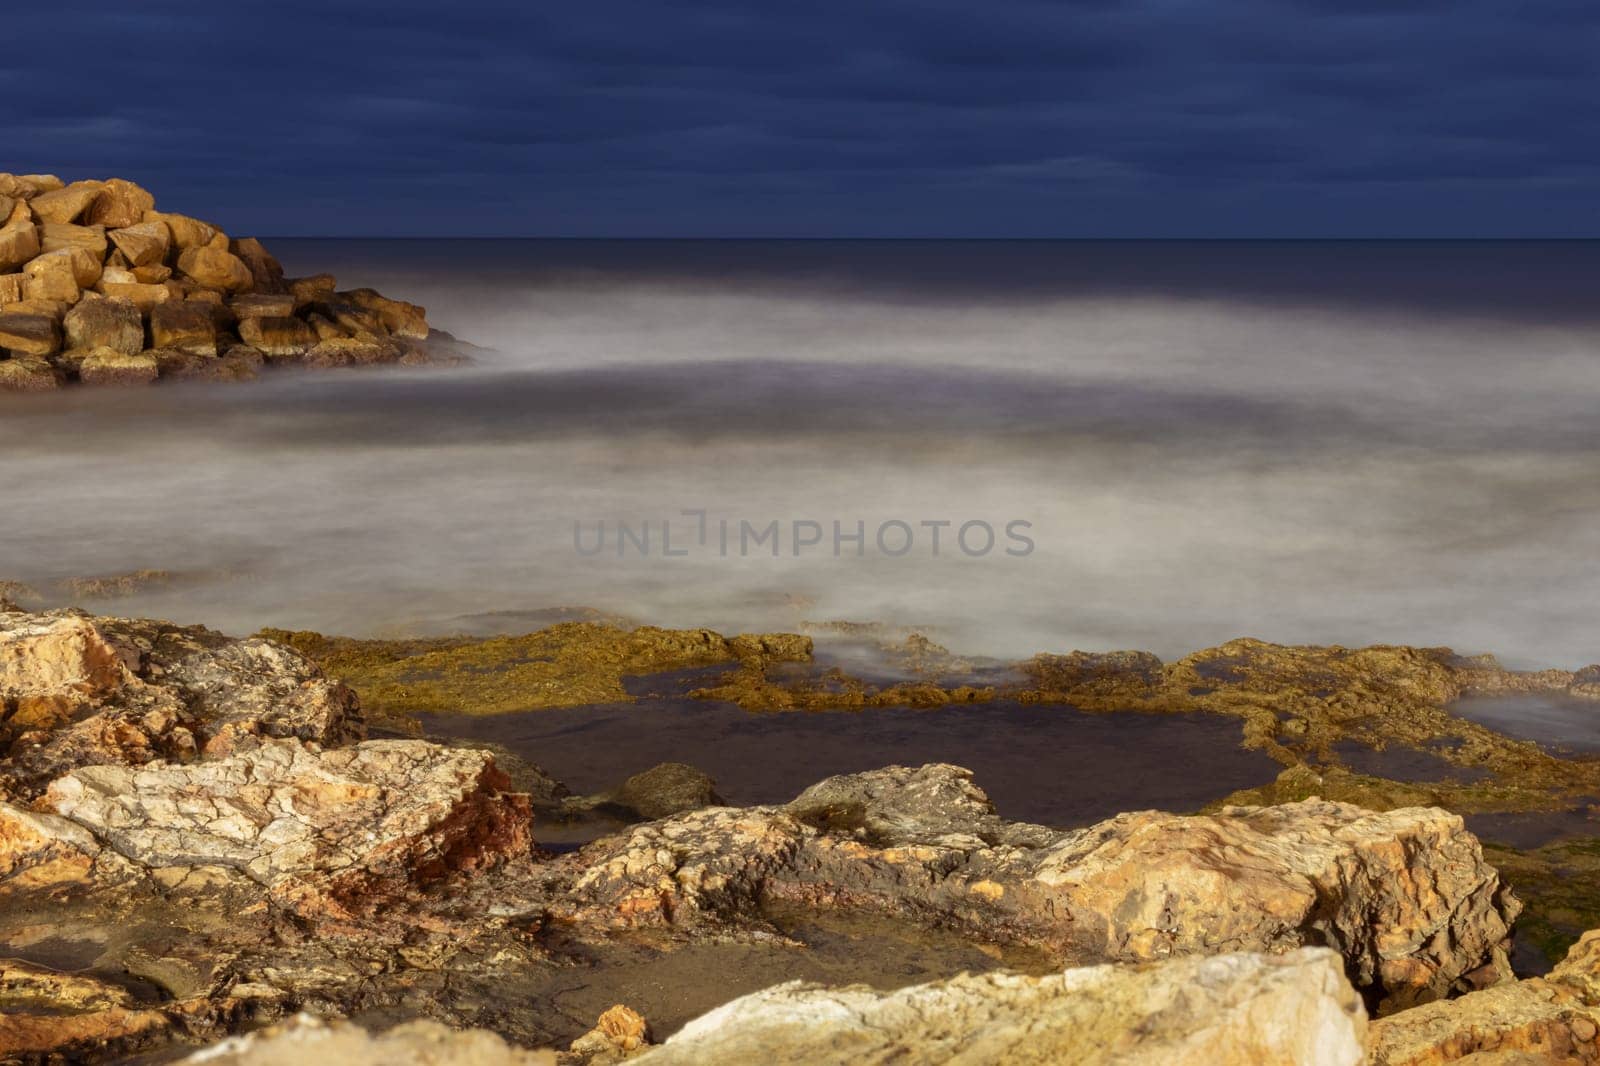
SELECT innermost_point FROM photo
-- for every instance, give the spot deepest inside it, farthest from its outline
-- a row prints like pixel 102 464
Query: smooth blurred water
pixel 1305 442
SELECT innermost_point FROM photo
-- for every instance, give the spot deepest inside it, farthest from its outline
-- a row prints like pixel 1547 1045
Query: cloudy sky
pixel 1087 118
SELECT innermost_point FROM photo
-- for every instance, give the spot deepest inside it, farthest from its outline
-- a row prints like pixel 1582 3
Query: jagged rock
pixel 154 274
pixel 144 297
pixel 186 232
pixel 91 240
pixel 264 269
pixel 142 243
pixel 620 1034
pixel 11 289
pixel 306 1039
pixel 277 337
pixel 51 276
pixel 27 186
pixel 324 832
pixel 19 242
pixel 314 288
pixel 1232 1010
pixel 1405 896
pixel 185 326
pixel 105 366
pixel 350 351
pixel 66 204
pixel 129 691
pixel 668 789
pixel 396 316
pixel 214 267
pixel 120 203
pixel 104 322
pixel 28 374
pixel 262 305
pixel 29 334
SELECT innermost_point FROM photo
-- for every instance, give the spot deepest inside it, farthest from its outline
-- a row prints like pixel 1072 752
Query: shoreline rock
pixel 100 288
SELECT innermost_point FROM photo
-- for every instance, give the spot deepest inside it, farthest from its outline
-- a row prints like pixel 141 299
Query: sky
pixel 885 118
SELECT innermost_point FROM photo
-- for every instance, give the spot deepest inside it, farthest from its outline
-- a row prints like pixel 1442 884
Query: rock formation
pixel 98 287
pixel 1231 1010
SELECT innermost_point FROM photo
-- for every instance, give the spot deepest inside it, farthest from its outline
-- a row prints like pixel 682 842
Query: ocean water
pixel 1330 442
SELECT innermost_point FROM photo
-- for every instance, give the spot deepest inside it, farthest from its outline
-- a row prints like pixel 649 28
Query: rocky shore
pixel 199 838
pixel 100 288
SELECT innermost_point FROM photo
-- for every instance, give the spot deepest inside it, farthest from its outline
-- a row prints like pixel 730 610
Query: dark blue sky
pixel 1184 118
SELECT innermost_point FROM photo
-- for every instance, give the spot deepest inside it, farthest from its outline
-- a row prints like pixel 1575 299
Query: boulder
pixel 19 242
pixel 1405 895
pixel 105 322
pixel 52 276
pixel 1231 1010
pixel 398 318
pixel 277 337
pixel 105 366
pixel 144 297
pixel 265 269
pixel 27 186
pixel 154 274
pixel 11 289
pixel 668 789
pixel 619 1034
pixel 316 287
pixel 180 365
pixel 120 203
pixel 212 266
pixel 262 305
pixel 185 326
pixel 186 232
pixel 25 334
pixel 57 235
pixel 350 351
pixel 66 204
pixel 144 243
pixel 28 374
pixel 327 833
pixel 305 1039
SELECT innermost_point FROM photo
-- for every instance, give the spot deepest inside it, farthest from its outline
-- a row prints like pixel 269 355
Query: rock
pixel 332 832
pixel 312 289
pixel 11 289
pixel 262 305
pixel 214 267
pixel 26 334
pixel 668 789
pixel 350 351
pixel 186 232
pixel 277 337
pixel 105 322
pixel 154 274
pixel 264 269
pixel 54 236
pixel 66 204
pixel 1536 1017
pixel 185 326
pixel 28 374
pixel 120 203
pixel 398 317
pixel 144 297
pixel 1231 1010
pixel 144 243
pixel 51 276
pixel 105 366
pixel 305 1039
pixel 1405 896
pixel 27 186
pixel 19 242
pixel 619 1035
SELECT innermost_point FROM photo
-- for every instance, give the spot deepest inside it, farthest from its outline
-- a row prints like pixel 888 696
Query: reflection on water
pixel 1302 442
pixel 1048 764
pixel 1560 723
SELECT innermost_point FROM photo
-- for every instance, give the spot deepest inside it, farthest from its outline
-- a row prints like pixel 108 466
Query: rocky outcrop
pixel 1405 896
pixel 154 282
pixel 1232 1009
pixel 306 1039
pixel 78 691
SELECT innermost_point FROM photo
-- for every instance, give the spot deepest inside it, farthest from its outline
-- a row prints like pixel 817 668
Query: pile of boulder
pixel 99 287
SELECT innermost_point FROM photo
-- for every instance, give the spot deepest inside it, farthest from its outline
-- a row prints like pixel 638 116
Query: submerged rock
pixel 1232 1010
pixel 1405 896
